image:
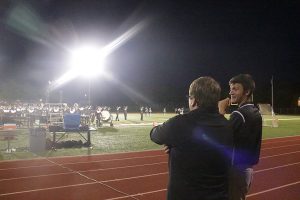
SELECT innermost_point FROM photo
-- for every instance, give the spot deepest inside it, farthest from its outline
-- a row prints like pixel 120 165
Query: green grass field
pixel 130 135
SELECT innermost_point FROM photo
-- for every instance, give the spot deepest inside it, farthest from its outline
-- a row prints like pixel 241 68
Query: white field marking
pixel 134 177
pixel 37 176
pixel 139 194
pixel 281 166
pixel 106 154
pixel 83 184
pixel 95 155
pixel 74 163
pixel 282 154
pixel 50 188
pixel 129 166
pixel 291 145
pixel 116 159
pixel 35 166
pixel 93 180
pixel 272 189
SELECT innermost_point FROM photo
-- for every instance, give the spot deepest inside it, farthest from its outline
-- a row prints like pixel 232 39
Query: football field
pixel 124 164
pixel 125 136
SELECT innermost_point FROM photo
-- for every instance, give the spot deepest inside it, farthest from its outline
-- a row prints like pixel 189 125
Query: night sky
pixel 181 41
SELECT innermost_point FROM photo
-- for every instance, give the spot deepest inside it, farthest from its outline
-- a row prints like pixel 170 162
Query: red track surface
pixel 138 175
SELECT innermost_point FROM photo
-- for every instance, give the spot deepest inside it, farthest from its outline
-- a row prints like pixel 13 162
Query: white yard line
pixel 272 189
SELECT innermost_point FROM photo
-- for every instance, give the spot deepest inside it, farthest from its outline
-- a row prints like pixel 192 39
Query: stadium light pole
pixel 272 96
pixel 89 92
pixel 48 92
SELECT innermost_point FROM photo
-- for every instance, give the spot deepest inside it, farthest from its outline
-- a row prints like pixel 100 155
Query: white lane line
pixel 274 138
pixel 94 180
pixel 36 166
pixel 53 158
pixel 83 171
pixel 80 156
pixel 37 176
pixel 112 160
pixel 124 167
pixel 108 154
pixel 135 177
pixel 49 188
pixel 282 154
pixel 74 163
pixel 83 184
pixel 272 189
pixel 139 194
pixel 277 167
pixel 129 196
pixel 291 145
pixel 265 157
pixel 280 141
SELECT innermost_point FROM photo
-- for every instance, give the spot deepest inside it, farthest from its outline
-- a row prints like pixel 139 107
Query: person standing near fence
pixel 199 145
pixel 246 122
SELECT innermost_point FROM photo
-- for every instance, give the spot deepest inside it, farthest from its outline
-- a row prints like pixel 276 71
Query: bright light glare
pixel 87 61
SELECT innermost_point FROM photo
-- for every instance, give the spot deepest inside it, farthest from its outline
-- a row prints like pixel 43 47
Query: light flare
pixel 134 95
pixel 98 57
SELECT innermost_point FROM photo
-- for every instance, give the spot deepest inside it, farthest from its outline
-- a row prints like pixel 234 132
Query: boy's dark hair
pixel 246 81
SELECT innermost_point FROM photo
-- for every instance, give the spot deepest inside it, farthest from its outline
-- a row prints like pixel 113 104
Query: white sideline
pixel 281 166
pixel 276 188
pixel 82 171
pixel 291 145
pixel 138 194
pixel 74 163
pixel 282 154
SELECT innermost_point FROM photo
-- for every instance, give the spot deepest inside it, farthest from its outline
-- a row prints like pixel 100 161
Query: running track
pixel 138 175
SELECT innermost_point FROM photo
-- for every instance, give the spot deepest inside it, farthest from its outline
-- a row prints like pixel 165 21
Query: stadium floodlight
pixel 87 61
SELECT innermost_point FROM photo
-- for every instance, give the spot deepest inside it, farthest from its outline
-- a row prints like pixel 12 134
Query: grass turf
pixel 129 135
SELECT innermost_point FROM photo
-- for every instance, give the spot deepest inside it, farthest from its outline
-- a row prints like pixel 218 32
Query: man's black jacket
pixel 246 123
pixel 200 155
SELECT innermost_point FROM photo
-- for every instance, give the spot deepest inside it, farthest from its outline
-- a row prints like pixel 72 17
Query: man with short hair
pixel 199 144
pixel 117 113
pixel 246 122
